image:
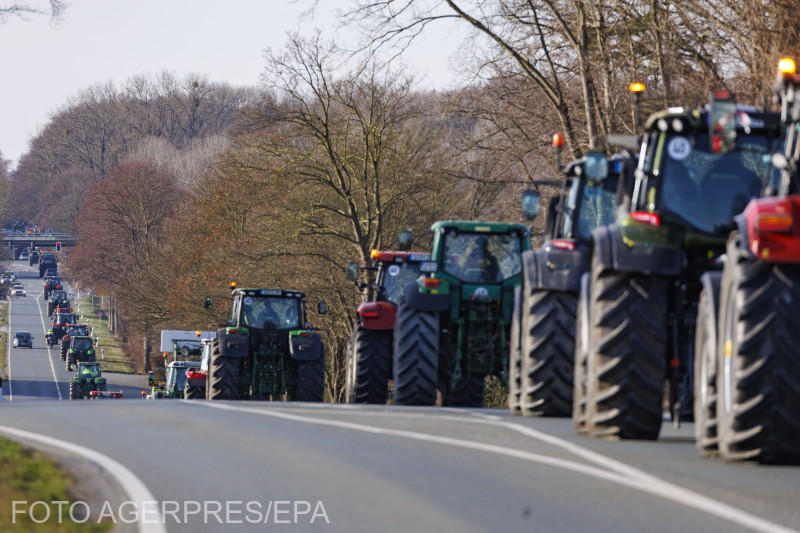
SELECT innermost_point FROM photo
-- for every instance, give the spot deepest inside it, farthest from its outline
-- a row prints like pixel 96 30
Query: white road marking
pixel 9 343
pixel 132 485
pixel 623 474
pixel 49 353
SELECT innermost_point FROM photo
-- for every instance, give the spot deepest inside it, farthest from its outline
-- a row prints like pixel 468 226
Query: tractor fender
pixel 551 268
pixel 233 344
pixel 377 315
pixel 424 301
pixel 305 347
pixel 744 236
pixel 612 253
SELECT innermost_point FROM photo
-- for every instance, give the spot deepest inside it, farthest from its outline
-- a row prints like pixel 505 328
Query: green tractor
pixel 81 349
pixel 87 380
pixel 58 298
pixel 638 306
pixel 268 351
pixel 452 325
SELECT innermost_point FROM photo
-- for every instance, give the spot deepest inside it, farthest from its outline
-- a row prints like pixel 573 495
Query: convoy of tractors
pixel 667 287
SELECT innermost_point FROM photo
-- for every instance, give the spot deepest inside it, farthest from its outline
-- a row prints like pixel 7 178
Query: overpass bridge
pixel 20 240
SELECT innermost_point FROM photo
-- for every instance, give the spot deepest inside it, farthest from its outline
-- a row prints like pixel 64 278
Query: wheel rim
pixel 727 356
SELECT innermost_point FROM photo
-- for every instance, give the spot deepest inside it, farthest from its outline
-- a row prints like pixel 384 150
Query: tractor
pixel 80 349
pixel 542 358
pixel 46 262
pixel 638 304
pixel 747 385
pixel 72 330
pixel 51 283
pixel 268 351
pixel 369 352
pixel 33 258
pixel 62 317
pixel 185 350
pixel 452 325
pixel 87 379
pixel 58 298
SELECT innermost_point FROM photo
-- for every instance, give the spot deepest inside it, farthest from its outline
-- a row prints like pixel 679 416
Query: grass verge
pixel 3 338
pixel 29 476
pixel 109 350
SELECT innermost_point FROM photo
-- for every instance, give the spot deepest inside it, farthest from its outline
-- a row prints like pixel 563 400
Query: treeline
pixel 179 186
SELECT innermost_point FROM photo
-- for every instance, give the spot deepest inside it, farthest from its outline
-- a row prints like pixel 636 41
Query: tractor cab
pixel 268 309
pixel 86 370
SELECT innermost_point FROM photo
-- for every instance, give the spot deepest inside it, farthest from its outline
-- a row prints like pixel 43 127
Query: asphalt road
pixel 39 373
pixel 371 468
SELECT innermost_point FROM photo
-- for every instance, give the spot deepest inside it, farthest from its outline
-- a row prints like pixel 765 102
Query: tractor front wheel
pixel 369 366
pixel 310 386
pixel 416 355
pixel 758 364
pixel 548 352
pixel 627 352
pixel 223 375
pixel 705 377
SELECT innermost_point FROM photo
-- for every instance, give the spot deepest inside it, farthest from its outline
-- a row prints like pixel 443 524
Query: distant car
pixel 23 339
pixel 8 277
pixel 24 255
pixel 18 291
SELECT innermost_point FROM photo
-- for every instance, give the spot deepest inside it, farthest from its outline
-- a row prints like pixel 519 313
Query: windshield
pixel 708 189
pixel 89 371
pixel 23 336
pixel 271 312
pixel 395 276
pixel 81 343
pixel 77 330
pixel 595 208
pixel 481 257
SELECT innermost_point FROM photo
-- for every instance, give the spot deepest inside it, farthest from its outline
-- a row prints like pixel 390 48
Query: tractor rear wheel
pixel 705 377
pixel 758 364
pixel 310 385
pixel 193 393
pixel 515 357
pixel 580 378
pixel 467 392
pixel 74 391
pixel 369 366
pixel 548 352
pixel 70 361
pixel 416 356
pixel 627 352
pixel 64 348
pixel 223 375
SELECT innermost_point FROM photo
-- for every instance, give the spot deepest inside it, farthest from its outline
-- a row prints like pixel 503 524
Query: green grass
pixel 110 351
pixel 29 476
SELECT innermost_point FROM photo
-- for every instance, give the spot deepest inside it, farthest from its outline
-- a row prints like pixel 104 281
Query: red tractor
pixel 51 283
pixel 747 367
pixel 369 353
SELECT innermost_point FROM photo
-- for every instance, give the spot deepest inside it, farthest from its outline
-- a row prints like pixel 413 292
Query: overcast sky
pixel 42 65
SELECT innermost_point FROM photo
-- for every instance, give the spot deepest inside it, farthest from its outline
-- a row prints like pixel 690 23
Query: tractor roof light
pixel 787 67
pixel 558 140
pixel 374 253
pixel 233 285
pixel 637 87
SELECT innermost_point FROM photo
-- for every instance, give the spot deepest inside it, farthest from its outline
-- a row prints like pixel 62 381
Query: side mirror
pixel 596 166
pixel 322 308
pixel 351 271
pixel 530 204
pixel 208 302
pixel 404 240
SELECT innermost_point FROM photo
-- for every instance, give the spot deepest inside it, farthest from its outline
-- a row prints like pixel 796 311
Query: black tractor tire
pixel 194 393
pixel 580 376
pixel 70 362
pixel 74 391
pixel 515 356
pixel 310 385
pixel 46 294
pixel 467 392
pixel 705 377
pixel 628 353
pixel 49 308
pixel 64 348
pixel 369 365
pixel 548 352
pixel 416 356
pixel 758 363
pixel 223 375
